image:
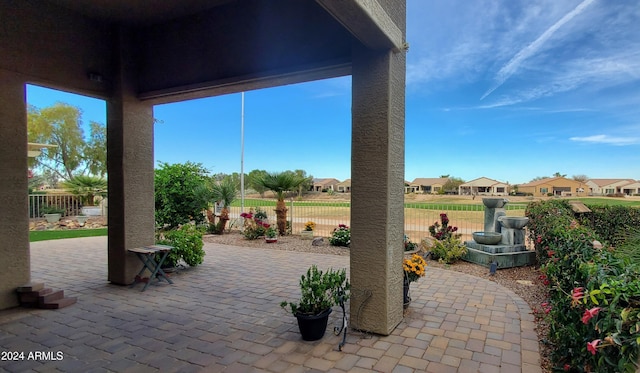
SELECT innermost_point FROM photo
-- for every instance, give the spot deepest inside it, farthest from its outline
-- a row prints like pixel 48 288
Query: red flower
pixel 266 225
pixel 591 346
pixel 576 296
pixel 539 239
pixel 588 314
pixel 550 253
pixel 567 367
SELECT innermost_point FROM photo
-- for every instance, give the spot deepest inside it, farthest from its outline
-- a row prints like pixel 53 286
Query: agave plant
pixel 280 183
pixel 88 187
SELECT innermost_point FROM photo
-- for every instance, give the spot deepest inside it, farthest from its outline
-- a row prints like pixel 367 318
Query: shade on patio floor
pixel 225 316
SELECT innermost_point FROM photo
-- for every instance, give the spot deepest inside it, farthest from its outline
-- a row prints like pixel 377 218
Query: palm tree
pixel 88 187
pixel 280 183
pixel 224 192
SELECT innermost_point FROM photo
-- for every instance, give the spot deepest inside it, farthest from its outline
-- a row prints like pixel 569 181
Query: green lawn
pixel 69 233
pixel 608 202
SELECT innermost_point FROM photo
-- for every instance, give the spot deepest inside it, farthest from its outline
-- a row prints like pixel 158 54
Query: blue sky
pixel 507 89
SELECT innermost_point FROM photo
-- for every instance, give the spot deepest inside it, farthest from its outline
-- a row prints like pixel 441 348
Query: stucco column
pixel 377 180
pixel 14 220
pixel 130 166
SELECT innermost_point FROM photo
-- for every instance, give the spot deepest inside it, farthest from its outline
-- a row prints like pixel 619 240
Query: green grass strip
pixel 69 233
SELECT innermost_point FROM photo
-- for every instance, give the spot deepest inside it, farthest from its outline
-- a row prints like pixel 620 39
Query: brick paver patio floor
pixel 224 316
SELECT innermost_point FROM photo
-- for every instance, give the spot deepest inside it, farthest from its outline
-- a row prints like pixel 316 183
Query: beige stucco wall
pixel 377 171
pixel 130 164
pixel 14 222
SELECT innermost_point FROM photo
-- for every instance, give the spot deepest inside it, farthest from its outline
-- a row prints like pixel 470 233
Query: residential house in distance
pixel 484 186
pixel 323 185
pixel 631 189
pixel 602 187
pixel 344 187
pixel 428 185
pixel 556 186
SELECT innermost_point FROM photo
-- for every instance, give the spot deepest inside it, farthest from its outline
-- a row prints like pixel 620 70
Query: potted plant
pixel 271 235
pixel 82 219
pixel 410 247
pixel 307 233
pixel 320 291
pixel 414 268
pixel 51 213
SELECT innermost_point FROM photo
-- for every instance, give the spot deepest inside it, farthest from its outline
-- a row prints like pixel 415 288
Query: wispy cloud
pixel 608 140
pixel 514 64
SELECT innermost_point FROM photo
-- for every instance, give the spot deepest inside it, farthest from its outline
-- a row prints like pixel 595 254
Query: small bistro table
pixel 147 256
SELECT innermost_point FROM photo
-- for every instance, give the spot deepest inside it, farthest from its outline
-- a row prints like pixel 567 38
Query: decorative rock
pixel 427 243
pixel 318 241
pixel 597 245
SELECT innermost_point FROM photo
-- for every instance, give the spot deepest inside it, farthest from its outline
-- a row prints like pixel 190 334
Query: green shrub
pixel 181 194
pixel 51 210
pixel 611 223
pixel 341 236
pixel 187 243
pixel 448 250
pixel 594 293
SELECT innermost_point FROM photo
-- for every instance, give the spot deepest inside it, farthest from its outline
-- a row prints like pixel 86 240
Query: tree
pixel 181 194
pixel 558 174
pixel 280 183
pixel 581 178
pixel 306 184
pixel 452 184
pixel 88 187
pixel 61 125
pixel 223 192
pixel 252 179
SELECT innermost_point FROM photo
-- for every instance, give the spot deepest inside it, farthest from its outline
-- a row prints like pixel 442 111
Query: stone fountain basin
pixel 487 238
pixel 494 202
pixel 516 222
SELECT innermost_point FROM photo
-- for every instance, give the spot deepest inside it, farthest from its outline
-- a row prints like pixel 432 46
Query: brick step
pixel 30 298
pixel 59 303
pixel 50 297
pixel 36 295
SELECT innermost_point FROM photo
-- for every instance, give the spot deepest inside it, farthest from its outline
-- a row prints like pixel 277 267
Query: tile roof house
pixel 601 187
pixel 323 185
pixel 344 187
pixel 484 186
pixel 556 186
pixel 428 185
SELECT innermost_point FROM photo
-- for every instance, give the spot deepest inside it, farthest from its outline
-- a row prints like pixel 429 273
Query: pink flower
pixel 539 239
pixel 576 296
pixel 591 346
pixel 588 314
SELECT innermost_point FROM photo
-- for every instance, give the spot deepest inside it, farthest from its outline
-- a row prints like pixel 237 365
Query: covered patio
pixel 224 315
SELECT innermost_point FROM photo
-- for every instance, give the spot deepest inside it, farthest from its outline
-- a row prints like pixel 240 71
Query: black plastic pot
pixel 312 327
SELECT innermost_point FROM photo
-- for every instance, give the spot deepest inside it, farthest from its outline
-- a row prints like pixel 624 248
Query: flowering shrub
pixel 309 226
pixel 442 230
pixel 255 225
pixel 594 293
pixel 341 236
pixel 414 268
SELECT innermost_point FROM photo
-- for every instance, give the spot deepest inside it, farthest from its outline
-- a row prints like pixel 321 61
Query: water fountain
pixel 503 238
